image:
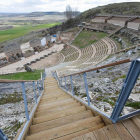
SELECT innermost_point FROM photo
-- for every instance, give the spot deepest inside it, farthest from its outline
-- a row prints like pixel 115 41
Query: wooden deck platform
pixel 59 116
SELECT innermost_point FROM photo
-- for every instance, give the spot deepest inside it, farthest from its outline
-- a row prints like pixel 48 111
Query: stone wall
pixel 99 19
pixel 29 53
pixel 48 40
pixel 35 42
pixel 12 50
pixel 135 26
pixel 115 22
pixel 121 21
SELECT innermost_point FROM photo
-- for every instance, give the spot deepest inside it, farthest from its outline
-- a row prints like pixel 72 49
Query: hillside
pixel 125 8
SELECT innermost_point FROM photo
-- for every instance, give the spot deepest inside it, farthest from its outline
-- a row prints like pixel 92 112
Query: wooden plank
pixel 56 103
pixel 131 128
pixel 58 108
pixel 100 134
pixel 138 116
pixel 60 121
pixel 111 133
pixel 89 136
pixel 79 133
pixel 136 121
pixel 53 105
pixel 54 100
pixel 53 94
pixel 58 114
pixel 45 99
pixel 63 110
pixel 78 138
pixel 67 129
pixel 121 130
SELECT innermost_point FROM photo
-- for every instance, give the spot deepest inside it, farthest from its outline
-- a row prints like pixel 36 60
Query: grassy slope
pixel 23 76
pixel 87 38
pixel 21 30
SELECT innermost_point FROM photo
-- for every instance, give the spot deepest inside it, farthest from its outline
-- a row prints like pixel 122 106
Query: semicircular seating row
pixel 87 57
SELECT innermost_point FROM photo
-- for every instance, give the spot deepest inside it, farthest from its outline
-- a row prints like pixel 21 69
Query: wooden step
pixel 51 86
pixel 79 133
pixel 54 100
pixel 53 94
pixel 58 108
pixel 49 113
pixel 61 121
pixel 59 114
pixel 67 129
pixel 55 103
pixel 45 99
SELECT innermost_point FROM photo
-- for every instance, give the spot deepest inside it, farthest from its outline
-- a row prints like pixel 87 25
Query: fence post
pixel 38 88
pixel 3 136
pixel 86 86
pixel 25 101
pixel 65 84
pixel 72 85
pixel 34 92
pixel 127 87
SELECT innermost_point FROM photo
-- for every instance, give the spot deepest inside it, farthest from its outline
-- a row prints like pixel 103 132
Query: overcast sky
pixel 26 6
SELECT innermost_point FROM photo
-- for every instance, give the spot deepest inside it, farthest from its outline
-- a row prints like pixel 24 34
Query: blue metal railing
pixel 40 88
pixel 128 85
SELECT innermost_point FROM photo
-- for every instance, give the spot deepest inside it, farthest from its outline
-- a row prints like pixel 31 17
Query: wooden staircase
pixel 60 117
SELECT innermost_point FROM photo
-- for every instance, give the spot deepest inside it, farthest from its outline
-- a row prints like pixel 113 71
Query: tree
pixel 68 12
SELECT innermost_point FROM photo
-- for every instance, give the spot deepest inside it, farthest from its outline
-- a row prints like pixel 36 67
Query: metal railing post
pixel 61 83
pixel 3 136
pixel 44 73
pixel 25 101
pixel 72 85
pixel 34 92
pixel 65 84
pixel 86 86
pixel 38 88
pixel 127 87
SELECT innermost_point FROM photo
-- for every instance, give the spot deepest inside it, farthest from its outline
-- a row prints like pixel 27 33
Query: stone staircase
pixel 59 116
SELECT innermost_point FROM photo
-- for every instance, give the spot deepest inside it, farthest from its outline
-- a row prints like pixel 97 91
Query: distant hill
pixel 125 8
pixel 36 14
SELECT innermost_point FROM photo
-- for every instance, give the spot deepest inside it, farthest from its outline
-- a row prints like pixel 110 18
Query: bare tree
pixel 68 12
pixel 75 11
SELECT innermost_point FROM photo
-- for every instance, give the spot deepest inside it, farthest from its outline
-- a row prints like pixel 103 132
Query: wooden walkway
pixel 61 117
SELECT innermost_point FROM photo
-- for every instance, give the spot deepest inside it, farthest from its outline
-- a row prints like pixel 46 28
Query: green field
pixel 20 30
pixel 87 38
pixel 23 76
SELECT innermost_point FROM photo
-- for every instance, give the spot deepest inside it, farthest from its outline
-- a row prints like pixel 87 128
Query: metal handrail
pixel 28 117
pixel 128 85
pixel 15 81
pixel 97 68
